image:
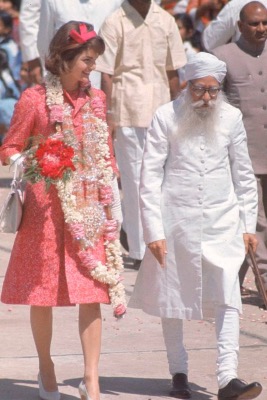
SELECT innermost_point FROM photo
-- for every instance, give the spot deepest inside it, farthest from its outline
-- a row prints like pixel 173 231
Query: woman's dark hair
pixel 16 4
pixel 186 21
pixel 64 49
pixel 7 20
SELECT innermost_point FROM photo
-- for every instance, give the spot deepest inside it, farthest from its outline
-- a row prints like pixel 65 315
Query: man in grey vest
pixel 246 88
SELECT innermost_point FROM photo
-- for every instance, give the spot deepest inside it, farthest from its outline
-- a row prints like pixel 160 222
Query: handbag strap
pixel 16 181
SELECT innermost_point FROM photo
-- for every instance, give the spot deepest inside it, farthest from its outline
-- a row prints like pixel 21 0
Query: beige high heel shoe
pixel 83 391
pixel 43 394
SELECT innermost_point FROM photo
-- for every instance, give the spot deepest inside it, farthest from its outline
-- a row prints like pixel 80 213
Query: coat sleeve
pixel 243 176
pixel 21 126
pixel 152 174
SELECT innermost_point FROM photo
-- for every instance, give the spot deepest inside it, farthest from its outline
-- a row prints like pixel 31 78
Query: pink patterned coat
pixel 44 268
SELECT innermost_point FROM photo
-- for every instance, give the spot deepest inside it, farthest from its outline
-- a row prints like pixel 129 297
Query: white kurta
pixel 201 197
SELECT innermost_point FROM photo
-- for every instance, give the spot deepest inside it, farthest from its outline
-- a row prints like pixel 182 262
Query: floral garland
pixel 88 223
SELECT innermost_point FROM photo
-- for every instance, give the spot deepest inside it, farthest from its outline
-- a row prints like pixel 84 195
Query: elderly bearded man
pixel 199 209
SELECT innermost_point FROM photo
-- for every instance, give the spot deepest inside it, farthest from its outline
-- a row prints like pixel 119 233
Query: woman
pixel 66 250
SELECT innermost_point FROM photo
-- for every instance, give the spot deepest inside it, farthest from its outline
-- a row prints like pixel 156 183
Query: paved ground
pixel 133 361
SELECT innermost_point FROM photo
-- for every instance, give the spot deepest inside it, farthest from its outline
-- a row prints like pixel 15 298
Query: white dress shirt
pixel 28 28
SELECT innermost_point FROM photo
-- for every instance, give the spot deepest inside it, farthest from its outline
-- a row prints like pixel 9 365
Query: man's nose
pixel 206 97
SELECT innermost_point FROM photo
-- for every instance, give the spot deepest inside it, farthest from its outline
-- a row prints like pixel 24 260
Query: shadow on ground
pixel 5 182
pixel 22 390
pixel 117 386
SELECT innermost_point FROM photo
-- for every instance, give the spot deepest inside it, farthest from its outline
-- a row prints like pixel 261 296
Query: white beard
pixel 192 119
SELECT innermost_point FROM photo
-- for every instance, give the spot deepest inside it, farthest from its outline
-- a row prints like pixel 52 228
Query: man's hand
pixel 250 239
pixel 111 125
pixel 35 71
pixel 159 251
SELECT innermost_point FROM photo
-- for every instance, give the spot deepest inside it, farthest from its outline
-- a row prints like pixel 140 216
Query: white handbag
pixel 11 211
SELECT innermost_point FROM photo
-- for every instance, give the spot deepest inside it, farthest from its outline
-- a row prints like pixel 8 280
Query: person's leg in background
pixel 129 147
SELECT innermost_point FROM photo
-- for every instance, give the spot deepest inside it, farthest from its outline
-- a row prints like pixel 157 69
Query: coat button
pixel 200 201
pixel 265 126
pixel 262 90
pixel 202 146
pixel 260 72
pixel 264 107
pixel 200 187
pixel 202 161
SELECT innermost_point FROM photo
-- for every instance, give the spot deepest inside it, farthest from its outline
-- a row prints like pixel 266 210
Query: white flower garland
pixel 109 273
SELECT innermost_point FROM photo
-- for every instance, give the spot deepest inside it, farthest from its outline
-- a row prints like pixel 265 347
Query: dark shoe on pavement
pixel 180 387
pixel 239 390
pixel 244 291
pixel 136 264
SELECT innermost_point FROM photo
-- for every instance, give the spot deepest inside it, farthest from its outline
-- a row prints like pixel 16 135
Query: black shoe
pixel 136 264
pixel 244 291
pixel 180 387
pixel 239 390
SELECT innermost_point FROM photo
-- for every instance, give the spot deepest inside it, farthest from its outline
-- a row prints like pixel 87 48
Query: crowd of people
pixel 175 111
pixel 22 29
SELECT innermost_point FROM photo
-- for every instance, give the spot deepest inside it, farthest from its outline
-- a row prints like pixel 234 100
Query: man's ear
pixel 240 25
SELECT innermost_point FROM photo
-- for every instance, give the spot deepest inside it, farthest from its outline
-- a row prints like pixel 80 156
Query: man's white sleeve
pixel 28 28
pixel 46 29
pixel 222 29
pixel 243 176
pixel 152 174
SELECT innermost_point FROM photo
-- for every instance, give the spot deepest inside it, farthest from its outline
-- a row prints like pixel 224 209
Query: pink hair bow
pixel 83 36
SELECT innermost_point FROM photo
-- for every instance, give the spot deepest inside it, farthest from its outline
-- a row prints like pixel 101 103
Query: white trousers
pixel 227 334
pixel 129 148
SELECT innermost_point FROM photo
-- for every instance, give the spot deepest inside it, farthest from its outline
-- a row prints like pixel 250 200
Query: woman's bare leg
pixel 41 324
pixel 90 326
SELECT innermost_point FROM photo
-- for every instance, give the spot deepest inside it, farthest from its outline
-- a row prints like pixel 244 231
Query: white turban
pixel 204 64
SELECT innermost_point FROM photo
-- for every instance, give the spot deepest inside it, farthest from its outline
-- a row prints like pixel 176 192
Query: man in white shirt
pixel 143 51
pixel 28 31
pixel 40 19
pixel 224 28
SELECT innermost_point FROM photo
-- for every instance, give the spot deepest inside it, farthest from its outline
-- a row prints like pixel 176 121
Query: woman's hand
pixel 250 239
pixel 159 251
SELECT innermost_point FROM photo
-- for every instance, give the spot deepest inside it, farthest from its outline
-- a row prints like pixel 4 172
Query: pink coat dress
pixel 44 268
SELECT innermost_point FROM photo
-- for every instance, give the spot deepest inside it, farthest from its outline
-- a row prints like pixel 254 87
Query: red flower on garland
pixel 51 160
pixel 54 157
